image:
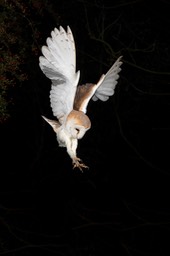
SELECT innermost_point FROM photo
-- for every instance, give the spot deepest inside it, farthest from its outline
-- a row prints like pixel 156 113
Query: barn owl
pixel 68 99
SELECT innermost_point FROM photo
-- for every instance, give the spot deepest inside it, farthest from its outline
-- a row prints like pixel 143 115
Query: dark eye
pixel 77 130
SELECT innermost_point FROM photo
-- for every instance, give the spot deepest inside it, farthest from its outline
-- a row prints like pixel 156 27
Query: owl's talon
pixel 77 162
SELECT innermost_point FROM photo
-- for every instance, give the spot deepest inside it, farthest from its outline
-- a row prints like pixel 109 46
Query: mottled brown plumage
pixel 80 118
pixel 82 93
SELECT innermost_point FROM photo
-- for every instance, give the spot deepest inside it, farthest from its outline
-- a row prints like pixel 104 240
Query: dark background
pixel 120 205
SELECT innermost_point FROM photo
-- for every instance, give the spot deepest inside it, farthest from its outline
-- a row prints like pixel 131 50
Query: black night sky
pixel 121 204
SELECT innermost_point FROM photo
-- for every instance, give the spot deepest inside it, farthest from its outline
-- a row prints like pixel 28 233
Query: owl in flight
pixel 68 99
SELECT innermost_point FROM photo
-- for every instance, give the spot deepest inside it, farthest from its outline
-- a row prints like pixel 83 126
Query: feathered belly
pixel 62 137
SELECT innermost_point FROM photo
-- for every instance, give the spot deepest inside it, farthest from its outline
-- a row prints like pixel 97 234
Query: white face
pixel 75 131
pixel 78 131
pixel 77 123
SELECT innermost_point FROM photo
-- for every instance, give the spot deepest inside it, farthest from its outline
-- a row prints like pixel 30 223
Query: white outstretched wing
pixel 107 83
pixel 58 63
pixel 102 90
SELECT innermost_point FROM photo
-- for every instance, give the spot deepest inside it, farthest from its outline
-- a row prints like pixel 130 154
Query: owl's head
pixel 77 123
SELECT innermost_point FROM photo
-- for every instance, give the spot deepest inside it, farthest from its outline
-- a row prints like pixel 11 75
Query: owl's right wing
pixel 58 63
pixel 102 90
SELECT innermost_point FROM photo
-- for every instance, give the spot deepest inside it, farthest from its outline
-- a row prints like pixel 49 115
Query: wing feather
pixel 102 90
pixel 106 87
pixel 58 63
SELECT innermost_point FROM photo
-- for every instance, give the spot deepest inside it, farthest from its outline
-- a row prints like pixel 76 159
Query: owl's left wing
pixel 102 90
pixel 58 63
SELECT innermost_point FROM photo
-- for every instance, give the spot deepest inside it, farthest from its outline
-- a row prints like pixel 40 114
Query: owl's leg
pixel 77 162
pixel 71 150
